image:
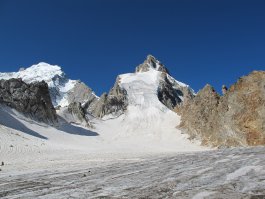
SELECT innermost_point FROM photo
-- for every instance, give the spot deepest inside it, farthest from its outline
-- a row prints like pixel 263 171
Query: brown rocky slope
pixel 235 119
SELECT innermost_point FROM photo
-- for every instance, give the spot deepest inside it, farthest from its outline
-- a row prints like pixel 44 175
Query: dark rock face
pixel 114 103
pixel 171 94
pixel 31 99
pixel 234 119
pixel 168 95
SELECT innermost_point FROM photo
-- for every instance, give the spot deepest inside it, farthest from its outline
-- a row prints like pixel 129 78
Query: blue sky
pixel 206 41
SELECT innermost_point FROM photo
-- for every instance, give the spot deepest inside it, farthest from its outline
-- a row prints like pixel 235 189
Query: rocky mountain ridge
pixel 235 119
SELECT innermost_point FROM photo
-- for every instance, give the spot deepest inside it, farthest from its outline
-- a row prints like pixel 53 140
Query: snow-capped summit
pixel 149 87
pixel 140 106
pixel 59 84
pixel 38 72
pixel 152 83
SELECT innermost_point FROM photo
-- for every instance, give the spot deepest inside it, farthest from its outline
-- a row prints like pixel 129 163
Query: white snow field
pixel 28 147
pixel 69 161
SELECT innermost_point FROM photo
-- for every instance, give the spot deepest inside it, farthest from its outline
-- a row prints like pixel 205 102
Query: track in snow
pixel 229 173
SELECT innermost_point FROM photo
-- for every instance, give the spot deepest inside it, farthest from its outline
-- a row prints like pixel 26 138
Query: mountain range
pixel 147 102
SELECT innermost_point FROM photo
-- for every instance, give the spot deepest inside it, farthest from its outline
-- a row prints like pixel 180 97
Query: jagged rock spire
pixel 151 63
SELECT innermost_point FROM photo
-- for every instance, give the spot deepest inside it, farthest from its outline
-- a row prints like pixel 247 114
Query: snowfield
pixel 25 143
pixel 68 161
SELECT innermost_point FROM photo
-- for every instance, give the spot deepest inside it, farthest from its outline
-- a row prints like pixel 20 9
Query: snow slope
pixel 142 88
pixel 53 75
pixel 25 143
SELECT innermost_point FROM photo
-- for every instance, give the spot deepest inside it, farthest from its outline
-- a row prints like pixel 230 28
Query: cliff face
pixel 115 102
pixel 246 107
pixel 31 99
pixel 171 93
pixel 235 119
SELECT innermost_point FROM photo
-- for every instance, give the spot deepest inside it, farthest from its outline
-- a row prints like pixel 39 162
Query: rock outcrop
pixel 234 119
pixel 114 103
pixel 82 93
pixel 83 100
pixel 151 62
pixel 31 99
pixel 75 113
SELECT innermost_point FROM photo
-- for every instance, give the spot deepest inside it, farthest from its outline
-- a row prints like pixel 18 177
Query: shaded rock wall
pixel 31 99
pixel 171 94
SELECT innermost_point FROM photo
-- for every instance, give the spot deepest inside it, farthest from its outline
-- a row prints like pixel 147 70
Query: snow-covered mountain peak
pixel 39 72
pixel 151 63
pixel 156 69
pixel 143 102
pixel 59 84
pixel 45 67
pixel 149 87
